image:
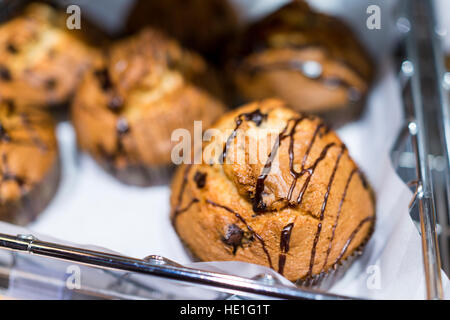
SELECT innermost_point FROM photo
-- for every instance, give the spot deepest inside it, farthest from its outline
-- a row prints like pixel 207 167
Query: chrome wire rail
pixel 161 267
pixel 427 132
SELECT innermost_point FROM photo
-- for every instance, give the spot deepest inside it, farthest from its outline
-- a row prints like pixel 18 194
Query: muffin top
pixel 28 149
pixel 275 188
pixel 297 26
pixel 143 89
pixel 311 60
pixel 41 61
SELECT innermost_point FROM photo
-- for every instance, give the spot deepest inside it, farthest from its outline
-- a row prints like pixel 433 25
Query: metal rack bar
pixel 424 81
pixel 160 267
pixel 443 113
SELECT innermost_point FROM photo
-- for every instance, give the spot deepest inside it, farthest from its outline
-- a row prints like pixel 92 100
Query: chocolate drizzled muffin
pixel 310 60
pixel 41 61
pixel 127 107
pixel 302 209
pixel 201 25
pixel 29 162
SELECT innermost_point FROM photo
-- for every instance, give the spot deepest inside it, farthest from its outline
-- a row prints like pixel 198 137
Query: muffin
pixel 128 105
pixel 301 207
pixel 41 61
pixel 310 60
pixel 201 25
pixel 29 162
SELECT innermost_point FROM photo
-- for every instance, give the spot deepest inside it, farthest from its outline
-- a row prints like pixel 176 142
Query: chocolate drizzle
pixel 234 236
pixel 249 228
pixel 295 65
pixel 296 175
pixel 322 211
pixel 255 116
pixel 352 236
pixel 178 209
pixel 181 210
pixel 285 240
pixel 258 204
pixel 333 231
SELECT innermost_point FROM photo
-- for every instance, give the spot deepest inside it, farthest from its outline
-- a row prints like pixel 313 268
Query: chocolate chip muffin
pixel 41 61
pixel 29 162
pixel 201 25
pixel 129 104
pixel 310 60
pixel 301 206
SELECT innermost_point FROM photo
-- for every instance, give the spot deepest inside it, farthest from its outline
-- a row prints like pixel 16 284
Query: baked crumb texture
pixel 41 61
pixel 129 103
pixel 29 162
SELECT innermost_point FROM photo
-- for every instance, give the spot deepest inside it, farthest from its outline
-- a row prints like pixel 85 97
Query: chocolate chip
pixel 200 179
pixel 333 82
pixel 4 136
pixel 5 74
pixel 233 236
pixel 12 48
pixel 104 79
pixel 115 103
pixel 10 105
pixel 256 116
pixel 122 126
pixel 50 84
pixel 171 62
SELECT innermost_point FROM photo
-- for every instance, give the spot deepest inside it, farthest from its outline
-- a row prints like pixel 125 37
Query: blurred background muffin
pixel 309 59
pixel 204 26
pixel 302 207
pixel 29 162
pixel 129 104
pixel 41 61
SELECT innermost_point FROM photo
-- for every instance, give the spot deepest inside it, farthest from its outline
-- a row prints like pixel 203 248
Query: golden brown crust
pixel 201 25
pixel 29 162
pixel 41 62
pixel 128 105
pixel 310 60
pixel 301 210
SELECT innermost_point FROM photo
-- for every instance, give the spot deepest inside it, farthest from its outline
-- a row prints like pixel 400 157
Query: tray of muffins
pixel 223 149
